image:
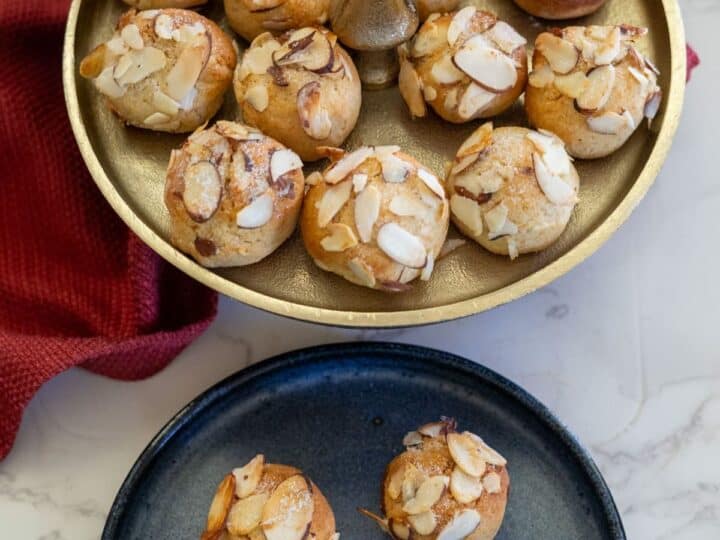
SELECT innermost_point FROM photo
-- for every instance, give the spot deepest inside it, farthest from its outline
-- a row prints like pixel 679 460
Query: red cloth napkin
pixel 76 287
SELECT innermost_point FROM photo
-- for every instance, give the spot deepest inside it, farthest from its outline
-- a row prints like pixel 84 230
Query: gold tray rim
pixel 390 319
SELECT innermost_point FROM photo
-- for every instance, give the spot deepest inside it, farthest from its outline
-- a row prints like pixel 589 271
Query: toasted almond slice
pixel 433 429
pixel 555 189
pixel 340 238
pixel 488 67
pixel 560 54
pixel 413 478
pixel 257 213
pixel 164 103
pixel 405 205
pixel 289 510
pixel 461 525
pixel 124 63
pixel 512 248
pixel 332 201
pixel 258 58
pixel 488 181
pixel 428 268
pixel 490 455
pixel 467 211
pixel 600 84
pixel 359 182
pixel 164 26
pixel 314 118
pixel 573 85
pixel 106 84
pixel 117 46
pixel 394 169
pixel 430 38
pixel 432 182
pixel 639 77
pixel 429 93
pixel 203 189
pixel 246 514
pixel 492 482
pixel 313 179
pixel 394 484
pixel 407 275
pixel 410 87
pixel 156 118
pixel 444 71
pixel 427 495
pixel 552 150
pixel 131 35
pixel 248 476
pixel 609 49
pixel 145 62
pixel 311 51
pixel 463 163
pixel 541 77
pixel 184 74
pixel 629 120
pixel 652 105
pixel 362 271
pixel 232 130
pixel 399 529
pixel 423 523
pixel 498 223
pixel 412 438
pixel 460 23
pixel 349 162
pixel 463 487
pixel 220 505
pixel 367 210
pixel 401 245
pixel 474 101
pixel 477 141
pixel 505 37
pixel 609 123
pixel 257 97
pixel 464 452
pixel 189 33
pixel 282 162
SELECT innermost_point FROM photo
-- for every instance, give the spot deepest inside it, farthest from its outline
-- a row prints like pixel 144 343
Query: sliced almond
pixel 490 455
pixel 401 245
pixel 423 523
pixel 429 93
pixel 555 189
pixel 573 85
pixel 367 210
pixel 410 87
pixel 652 105
pixel 609 49
pixel 498 223
pixel 450 245
pixel 131 35
pixel 477 141
pixel 220 505
pixel 359 182
pixel 258 58
pixel 164 103
pixel 344 166
pixel 560 54
pixel 463 163
pixel 124 63
pixel 505 37
pixel 184 74
pixel 474 101
pixel 189 33
pixel 430 38
pixel 432 429
pixel 332 201
pixel 232 130
pixel 460 23
pixel 314 118
pixel 609 123
pixel 362 271
pixel 246 514
pixel 257 97
pixel 257 213
pixel 117 46
pixel 467 211
pixel 248 477
pixel 289 510
pixel 394 169
pixel 413 478
pixel 427 495
pixel 489 67
pixel 203 189
pixel 464 452
pixel 461 525
pixel 432 182
pixel 310 50
pixel 444 71
pixel 164 26
pixel 106 84
pixel 492 482
pixel 600 82
pixel 412 438
pixel 313 179
pixel 156 119
pixel 428 268
pixel 541 77
pixel 399 529
pixel 405 205
pixel 282 162
pixel 463 487
pixel 639 77
pixel 340 238
pixel 145 62
pixel 512 248
pixel 552 150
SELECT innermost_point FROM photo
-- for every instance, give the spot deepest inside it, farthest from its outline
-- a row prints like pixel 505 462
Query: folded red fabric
pixel 76 286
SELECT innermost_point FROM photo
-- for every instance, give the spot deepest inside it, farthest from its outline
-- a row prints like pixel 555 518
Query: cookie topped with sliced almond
pixel 446 485
pixel 591 86
pixel 233 195
pixel 164 70
pixel 250 18
pixel 301 88
pixel 512 189
pixel 264 501
pixel 376 217
pixel 465 65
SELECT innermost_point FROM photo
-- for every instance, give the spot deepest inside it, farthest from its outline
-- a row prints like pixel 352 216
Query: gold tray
pixel 128 166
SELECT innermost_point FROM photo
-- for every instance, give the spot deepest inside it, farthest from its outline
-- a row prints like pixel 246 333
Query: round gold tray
pixel 128 166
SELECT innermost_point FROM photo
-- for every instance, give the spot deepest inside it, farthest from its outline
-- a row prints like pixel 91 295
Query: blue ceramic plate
pixel 339 413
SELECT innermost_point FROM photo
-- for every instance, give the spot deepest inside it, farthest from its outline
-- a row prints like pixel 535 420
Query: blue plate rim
pixel 327 353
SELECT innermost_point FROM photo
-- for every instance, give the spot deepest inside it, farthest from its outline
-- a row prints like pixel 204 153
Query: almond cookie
pixel 250 18
pixel 159 4
pixel 512 189
pixel 428 7
pixel 301 88
pixel 466 65
pixel 165 70
pixel 560 9
pixel 376 217
pixel 446 485
pixel 591 87
pixel 265 501
pixel 233 194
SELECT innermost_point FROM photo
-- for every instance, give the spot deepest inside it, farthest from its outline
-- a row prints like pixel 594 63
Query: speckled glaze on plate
pixel 339 412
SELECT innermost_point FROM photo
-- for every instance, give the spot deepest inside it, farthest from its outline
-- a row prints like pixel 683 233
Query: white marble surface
pixel 625 349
